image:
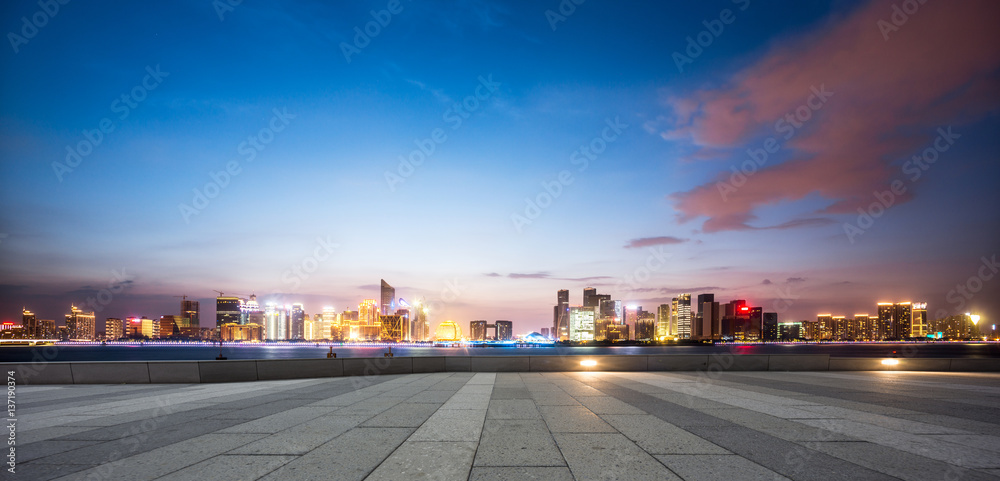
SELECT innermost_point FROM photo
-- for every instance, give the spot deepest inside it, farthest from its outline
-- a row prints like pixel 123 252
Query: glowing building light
pixel 588 363
pixel 890 362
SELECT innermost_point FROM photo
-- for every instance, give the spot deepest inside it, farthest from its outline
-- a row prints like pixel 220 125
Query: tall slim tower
pixel 190 310
pixel 560 316
pixel 297 322
pixel 227 310
pixel 663 326
pixel 387 304
pixel 682 312
pixel 30 324
pixel 919 328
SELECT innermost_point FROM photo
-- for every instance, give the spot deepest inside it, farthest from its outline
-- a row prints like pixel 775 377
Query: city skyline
pixel 485 154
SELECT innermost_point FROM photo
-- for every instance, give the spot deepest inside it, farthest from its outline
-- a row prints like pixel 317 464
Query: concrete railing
pixel 144 372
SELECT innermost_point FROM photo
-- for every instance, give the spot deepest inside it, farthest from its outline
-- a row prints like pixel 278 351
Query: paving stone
pixel 517 442
pixel 573 419
pixel 452 425
pixel 896 463
pixel 609 457
pixel 403 415
pixel 302 438
pixel 230 467
pixel 512 409
pixel 423 460
pixel 715 467
pixel 348 457
pixel 656 436
pixel 520 474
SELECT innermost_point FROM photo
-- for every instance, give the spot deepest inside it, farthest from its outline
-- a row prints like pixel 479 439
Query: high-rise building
pixel 477 330
pixel 708 324
pixel 824 326
pixel 114 328
pixel 581 323
pixel 590 297
pixel 227 310
pixel 47 329
pixel 275 322
pixel 421 323
pixel 80 325
pixel 30 324
pixel 645 326
pixel 560 316
pixel 392 327
pixel 894 320
pixel 297 322
pixel 664 328
pixel 504 330
pixel 250 312
pixel 331 324
pixel 235 332
pixel 769 324
pixel 919 327
pixel 192 311
pixel 610 309
pixel 681 312
pixel 387 306
pixel 142 328
pixel 368 312
pixel 866 329
pixel 545 332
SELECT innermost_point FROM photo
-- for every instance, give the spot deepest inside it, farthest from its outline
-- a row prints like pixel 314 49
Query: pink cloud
pixel 890 96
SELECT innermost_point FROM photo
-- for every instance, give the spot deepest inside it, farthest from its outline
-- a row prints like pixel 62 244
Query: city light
pixel 588 363
pixel 975 319
pixel 890 362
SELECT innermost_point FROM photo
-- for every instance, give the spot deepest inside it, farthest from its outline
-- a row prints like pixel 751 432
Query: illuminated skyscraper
pixel 297 323
pixel 919 327
pixel 421 322
pixel 368 312
pixel 191 310
pixel 392 328
pixel 30 324
pixel 227 310
pixel 448 331
pixel 581 323
pixel 80 325
pixel 142 328
pixel 664 328
pixel 251 312
pixel 275 322
pixel 770 330
pixel 894 320
pixel 645 326
pixel 560 316
pixel 331 324
pixel 681 313
pixel 504 330
pixel 824 326
pixel 388 299
pixel 589 297
pixel 477 330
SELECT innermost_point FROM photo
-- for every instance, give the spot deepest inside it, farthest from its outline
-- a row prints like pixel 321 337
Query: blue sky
pixel 450 222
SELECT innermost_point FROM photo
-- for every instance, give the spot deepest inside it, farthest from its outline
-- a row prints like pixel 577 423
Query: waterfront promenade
pixel 496 426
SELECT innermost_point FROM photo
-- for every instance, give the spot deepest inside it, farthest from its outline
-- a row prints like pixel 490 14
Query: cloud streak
pixel 654 241
pixel 938 69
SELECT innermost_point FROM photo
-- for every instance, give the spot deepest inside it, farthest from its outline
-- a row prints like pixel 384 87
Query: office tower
pixel 421 322
pixel 663 327
pixel 708 323
pixel 504 330
pixel 192 311
pixel 735 323
pixel 645 326
pixel 581 323
pixel 368 323
pixel 227 310
pixel 142 328
pixel 114 328
pixel 30 324
pixel 250 313
pixel 331 324
pixel 448 331
pixel 617 332
pixel 387 306
pixel 545 332
pixel 919 328
pixel 769 325
pixel 681 311
pixel 788 331
pixel 169 327
pixel 755 327
pixel 866 329
pixel 894 320
pixel 609 309
pixel 560 316
pixel 275 322
pixel 47 329
pixel 297 323
pixel 477 330
pixel 589 297
pixel 80 325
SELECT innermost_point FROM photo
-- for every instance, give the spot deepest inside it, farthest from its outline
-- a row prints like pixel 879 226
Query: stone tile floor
pixel 519 426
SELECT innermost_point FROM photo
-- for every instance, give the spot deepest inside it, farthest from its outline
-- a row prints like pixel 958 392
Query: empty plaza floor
pixel 519 426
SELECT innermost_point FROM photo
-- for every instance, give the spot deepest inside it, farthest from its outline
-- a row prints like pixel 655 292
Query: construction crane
pixel 183 297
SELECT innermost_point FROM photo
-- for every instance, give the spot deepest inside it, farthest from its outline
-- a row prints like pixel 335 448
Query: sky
pixel 809 157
